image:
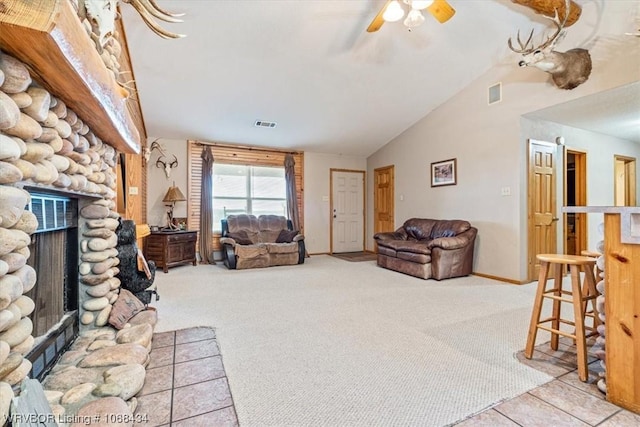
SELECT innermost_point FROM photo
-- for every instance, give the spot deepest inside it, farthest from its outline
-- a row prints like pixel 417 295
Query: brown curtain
pixel 292 196
pixel 206 208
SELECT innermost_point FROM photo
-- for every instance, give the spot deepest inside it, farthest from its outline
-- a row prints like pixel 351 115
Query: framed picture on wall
pixel 444 173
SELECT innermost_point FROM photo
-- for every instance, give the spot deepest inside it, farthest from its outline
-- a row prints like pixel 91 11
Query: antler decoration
pixel 568 69
pixel 167 166
pixel 148 10
pixel 525 49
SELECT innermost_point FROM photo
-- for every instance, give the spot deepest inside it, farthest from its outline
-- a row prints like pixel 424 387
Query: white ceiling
pixel 310 66
pixel 613 112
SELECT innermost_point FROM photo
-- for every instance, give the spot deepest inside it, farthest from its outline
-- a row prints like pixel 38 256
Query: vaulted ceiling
pixel 310 66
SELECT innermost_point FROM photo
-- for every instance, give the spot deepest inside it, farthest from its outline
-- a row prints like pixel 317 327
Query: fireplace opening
pixel 54 256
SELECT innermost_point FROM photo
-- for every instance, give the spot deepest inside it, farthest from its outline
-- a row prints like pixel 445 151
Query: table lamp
pixel 173 195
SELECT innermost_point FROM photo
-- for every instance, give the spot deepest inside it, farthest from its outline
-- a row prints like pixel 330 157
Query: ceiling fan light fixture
pixel 421 4
pixel 414 18
pixel 394 12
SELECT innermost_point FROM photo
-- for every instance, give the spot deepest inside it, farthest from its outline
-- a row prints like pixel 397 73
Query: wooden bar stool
pixel 577 297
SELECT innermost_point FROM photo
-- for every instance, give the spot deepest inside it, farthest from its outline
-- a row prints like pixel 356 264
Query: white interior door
pixel 347 196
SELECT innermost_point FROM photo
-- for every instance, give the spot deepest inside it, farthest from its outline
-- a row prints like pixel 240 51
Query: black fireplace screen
pixel 54 256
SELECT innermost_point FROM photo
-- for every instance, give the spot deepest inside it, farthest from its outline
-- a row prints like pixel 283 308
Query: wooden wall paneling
pixel 143 192
pixel 133 177
pixel 127 78
pixel 136 167
pixel 194 178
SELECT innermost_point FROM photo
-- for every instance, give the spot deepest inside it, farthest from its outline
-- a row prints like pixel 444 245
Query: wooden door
pixel 383 200
pixel 625 181
pixel 575 194
pixel 347 211
pixel 542 217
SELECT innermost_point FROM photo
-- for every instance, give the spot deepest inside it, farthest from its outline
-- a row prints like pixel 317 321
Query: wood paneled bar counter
pixel 622 301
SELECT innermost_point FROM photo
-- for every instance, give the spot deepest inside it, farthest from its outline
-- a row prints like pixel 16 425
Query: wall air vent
pixel 495 93
pixel 264 124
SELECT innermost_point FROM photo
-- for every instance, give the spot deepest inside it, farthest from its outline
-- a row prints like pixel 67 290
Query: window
pixel 256 190
pixel 236 155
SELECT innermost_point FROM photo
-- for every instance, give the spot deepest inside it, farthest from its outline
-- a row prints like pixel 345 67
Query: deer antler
pixel 148 9
pixel 155 10
pixel 167 166
pixel 174 163
pixel 523 47
pixel 549 41
pixel 155 145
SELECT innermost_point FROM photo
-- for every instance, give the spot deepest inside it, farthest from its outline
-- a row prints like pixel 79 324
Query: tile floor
pixel 565 401
pixel 186 385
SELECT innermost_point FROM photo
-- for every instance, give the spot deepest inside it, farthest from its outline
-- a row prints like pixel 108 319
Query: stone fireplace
pixel 58 256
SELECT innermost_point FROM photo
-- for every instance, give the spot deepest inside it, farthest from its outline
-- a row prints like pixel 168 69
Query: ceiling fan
pixel 393 11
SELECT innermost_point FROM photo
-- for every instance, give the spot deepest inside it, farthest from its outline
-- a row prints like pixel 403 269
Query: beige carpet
pixel 334 343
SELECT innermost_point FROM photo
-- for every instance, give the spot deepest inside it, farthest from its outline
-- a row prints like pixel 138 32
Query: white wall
pixel 316 188
pixel 490 146
pixel 158 183
pixel 317 192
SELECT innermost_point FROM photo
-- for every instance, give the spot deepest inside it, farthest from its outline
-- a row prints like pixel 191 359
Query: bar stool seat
pixel 578 297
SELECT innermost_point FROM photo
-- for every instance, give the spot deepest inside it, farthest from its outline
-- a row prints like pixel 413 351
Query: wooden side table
pixel 171 248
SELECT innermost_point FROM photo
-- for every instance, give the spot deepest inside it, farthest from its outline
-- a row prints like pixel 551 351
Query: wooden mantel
pixel 622 301
pixel 47 36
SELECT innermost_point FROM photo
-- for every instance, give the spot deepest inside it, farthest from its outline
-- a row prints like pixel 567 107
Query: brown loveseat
pixel 251 242
pixel 428 248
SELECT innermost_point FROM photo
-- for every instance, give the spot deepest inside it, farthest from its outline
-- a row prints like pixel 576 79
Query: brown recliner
pixel 428 248
pixel 267 240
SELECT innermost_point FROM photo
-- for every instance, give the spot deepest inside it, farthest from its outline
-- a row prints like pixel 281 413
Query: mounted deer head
pixel 568 69
pixel 166 165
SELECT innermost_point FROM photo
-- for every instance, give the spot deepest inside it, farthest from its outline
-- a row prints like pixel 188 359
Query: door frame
pixel 630 181
pixel 375 196
pixel 531 255
pixel 580 178
pixel 364 205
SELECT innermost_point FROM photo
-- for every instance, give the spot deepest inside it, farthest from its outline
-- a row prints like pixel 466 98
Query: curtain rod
pixel 246 147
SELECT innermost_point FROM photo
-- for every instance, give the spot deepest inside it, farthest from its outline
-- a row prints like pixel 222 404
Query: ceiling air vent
pixel 264 124
pixel 495 93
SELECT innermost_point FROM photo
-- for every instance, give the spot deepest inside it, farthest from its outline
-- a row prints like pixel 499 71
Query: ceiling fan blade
pixel 441 10
pixel 378 20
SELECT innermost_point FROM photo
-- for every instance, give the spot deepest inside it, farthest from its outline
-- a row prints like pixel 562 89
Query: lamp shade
pixel 174 195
